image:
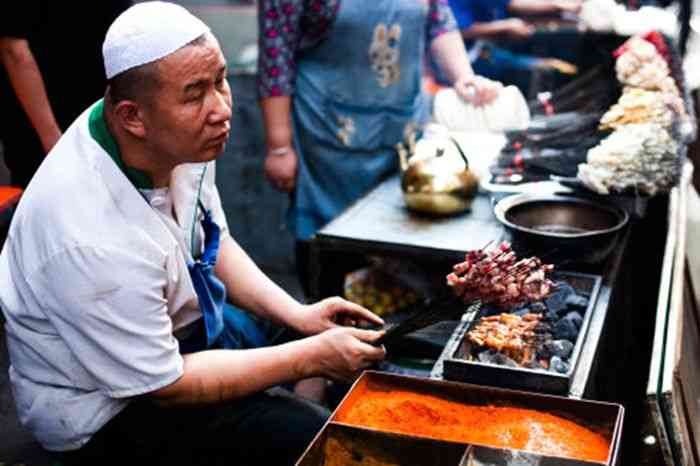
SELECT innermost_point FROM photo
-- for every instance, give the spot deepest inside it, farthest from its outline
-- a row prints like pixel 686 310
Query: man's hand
pixel 516 28
pixel 477 90
pixel 342 353
pixel 333 312
pixel 281 168
pixel 568 6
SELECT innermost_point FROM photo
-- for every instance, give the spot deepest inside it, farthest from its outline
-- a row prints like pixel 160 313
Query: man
pixel 120 351
pixel 50 71
pixel 488 20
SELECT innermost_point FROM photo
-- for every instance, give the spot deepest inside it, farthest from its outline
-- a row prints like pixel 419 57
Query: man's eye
pixel 194 96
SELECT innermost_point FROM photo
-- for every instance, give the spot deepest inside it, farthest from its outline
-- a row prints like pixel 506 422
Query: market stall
pixel 586 185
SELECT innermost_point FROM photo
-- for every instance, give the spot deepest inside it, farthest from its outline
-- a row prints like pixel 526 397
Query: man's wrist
pixel 298 316
pixel 279 151
pixel 304 362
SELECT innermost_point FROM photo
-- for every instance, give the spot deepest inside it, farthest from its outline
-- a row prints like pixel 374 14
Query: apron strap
pixel 210 291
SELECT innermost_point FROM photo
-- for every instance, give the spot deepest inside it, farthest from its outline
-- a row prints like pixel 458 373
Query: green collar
pixel 100 133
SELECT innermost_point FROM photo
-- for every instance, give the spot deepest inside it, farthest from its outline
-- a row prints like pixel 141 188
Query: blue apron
pixel 222 326
pixel 357 94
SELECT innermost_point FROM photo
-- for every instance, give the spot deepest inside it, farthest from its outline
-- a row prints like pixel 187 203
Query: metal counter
pixel 380 224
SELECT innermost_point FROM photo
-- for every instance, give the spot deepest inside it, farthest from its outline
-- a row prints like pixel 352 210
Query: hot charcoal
pixel 539 336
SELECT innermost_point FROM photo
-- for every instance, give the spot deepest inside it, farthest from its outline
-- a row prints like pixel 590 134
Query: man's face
pixel 188 119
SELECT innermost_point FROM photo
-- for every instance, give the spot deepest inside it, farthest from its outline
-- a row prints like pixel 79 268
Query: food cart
pixel 634 348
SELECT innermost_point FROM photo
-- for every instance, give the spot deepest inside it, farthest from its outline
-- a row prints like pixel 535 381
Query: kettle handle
pixel 403 156
pixel 461 152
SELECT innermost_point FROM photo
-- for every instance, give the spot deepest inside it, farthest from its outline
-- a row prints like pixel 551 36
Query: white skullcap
pixel 147 32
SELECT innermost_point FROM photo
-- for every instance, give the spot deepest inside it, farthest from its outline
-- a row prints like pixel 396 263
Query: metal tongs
pixel 427 313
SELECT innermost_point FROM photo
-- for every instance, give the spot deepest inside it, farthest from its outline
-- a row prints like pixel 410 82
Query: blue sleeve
pixel 504 8
pixel 463 11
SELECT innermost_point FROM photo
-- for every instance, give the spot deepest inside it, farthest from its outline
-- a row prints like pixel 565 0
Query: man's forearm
pixel 448 51
pixel 29 87
pixel 215 376
pixel 248 287
pixel 532 7
pixel 276 116
pixel 485 30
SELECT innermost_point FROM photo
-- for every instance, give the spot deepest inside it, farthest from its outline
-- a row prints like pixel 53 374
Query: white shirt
pixel 94 284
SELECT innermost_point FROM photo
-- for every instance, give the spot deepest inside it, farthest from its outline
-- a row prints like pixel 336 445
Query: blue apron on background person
pixel 358 93
pixel 222 325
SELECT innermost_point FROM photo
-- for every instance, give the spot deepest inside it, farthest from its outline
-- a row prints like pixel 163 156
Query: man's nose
pixel 222 108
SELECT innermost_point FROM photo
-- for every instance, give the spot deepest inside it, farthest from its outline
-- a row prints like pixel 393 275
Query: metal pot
pixel 436 178
pixel 562 228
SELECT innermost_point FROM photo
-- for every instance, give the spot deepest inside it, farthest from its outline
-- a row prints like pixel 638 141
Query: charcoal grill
pixel 456 367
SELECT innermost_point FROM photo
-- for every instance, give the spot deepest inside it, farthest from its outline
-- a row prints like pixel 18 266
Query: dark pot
pixel 562 228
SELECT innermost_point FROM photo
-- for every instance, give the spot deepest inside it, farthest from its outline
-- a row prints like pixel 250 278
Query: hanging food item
pixel 498 277
pixel 643 63
pixel 639 157
pixel 639 64
pixel 642 106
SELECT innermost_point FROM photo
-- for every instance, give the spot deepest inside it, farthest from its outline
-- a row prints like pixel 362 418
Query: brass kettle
pixel 435 176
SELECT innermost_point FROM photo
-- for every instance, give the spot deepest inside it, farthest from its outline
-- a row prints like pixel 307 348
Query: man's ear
pixel 129 116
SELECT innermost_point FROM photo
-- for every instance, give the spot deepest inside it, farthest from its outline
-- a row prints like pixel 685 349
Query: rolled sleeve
pixel 108 306
pixel 440 19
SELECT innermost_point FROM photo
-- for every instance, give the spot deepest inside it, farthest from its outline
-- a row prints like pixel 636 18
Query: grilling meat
pixel 498 277
pixel 509 334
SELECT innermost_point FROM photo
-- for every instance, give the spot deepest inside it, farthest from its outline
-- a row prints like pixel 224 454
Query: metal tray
pixel 397 448
pixel 362 446
pixel 455 367
pixel 344 445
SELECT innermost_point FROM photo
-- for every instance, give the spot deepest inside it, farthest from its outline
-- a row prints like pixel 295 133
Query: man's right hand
pixel 568 6
pixel 342 353
pixel 281 169
pixel 516 28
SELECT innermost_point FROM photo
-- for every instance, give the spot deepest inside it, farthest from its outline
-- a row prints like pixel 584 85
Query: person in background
pixel 51 71
pixel 118 268
pixel 339 83
pixel 484 21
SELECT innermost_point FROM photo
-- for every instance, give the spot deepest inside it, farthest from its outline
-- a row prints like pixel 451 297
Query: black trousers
pixel 271 428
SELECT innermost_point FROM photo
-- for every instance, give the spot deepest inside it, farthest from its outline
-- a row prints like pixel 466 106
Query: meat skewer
pixel 498 277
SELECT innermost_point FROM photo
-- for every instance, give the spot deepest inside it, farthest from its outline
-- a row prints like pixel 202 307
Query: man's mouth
pixel 220 138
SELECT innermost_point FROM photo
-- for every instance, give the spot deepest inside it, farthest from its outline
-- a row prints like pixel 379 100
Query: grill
pixel 548 361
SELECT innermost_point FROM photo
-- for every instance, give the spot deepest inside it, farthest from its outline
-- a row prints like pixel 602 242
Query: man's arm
pixel 513 27
pixel 281 160
pixel 218 375
pixel 451 56
pixel 543 7
pixel 29 87
pixel 248 287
